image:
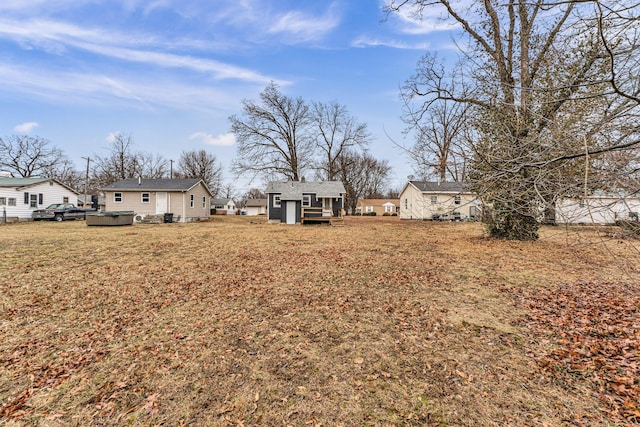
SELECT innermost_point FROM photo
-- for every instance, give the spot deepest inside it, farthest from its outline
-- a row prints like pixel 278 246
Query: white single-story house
pixel 293 202
pixel 19 197
pixel 446 201
pixel 599 208
pixel 255 207
pixel 223 206
pixel 186 199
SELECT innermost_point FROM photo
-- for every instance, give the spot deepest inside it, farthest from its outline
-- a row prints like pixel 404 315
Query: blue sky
pixel 171 72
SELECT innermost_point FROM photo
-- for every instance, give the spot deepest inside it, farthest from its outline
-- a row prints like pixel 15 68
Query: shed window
pixel 204 202
pixel 456 200
pixel 434 200
pixel 146 197
pixel 65 200
pixel 12 201
pixel 406 203
pixel 117 197
pixel 306 200
pixel 276 200
pixel 192 201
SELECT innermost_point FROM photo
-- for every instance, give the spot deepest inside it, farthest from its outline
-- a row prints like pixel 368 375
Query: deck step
pixel 338 222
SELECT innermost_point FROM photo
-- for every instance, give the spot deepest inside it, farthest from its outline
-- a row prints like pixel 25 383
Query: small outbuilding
pixel 255 207
pixel 299 202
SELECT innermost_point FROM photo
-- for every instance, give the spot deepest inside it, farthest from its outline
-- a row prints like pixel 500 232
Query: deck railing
pixel 318 213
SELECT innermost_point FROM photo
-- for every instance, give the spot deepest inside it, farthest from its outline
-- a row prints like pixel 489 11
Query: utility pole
pixel 86 183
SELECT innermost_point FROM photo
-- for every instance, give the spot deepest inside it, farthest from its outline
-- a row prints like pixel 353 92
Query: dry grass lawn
pixel 237 322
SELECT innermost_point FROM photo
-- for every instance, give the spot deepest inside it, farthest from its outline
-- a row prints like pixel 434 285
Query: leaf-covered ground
pixel 380 322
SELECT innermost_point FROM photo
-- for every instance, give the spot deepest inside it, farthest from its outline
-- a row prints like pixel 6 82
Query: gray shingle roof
pixel 161 184
pixel 220 201
pixel 256 203
pixel 293 190
pixel 27 182
pixel 441 187
pixel 21 182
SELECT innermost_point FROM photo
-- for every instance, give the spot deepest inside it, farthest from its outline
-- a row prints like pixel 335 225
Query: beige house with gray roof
pixel 187 199
pixel 442 201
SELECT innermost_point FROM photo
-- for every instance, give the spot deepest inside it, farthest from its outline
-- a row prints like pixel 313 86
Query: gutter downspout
pixel 184 213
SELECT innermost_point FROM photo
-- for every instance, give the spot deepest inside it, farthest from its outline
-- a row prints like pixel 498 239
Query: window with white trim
pixel 33 200
pixel 276 201
pixel 3 201
pixel 306 200
pixel 388 208
pixel 192 201
pixel 12 201
pixel 368 208
pixel 204 202
pixel 145 197
pixel 117 197
pixel 434 200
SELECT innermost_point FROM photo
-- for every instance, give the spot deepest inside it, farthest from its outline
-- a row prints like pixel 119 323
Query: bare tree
pixel 363 176
pixel 273 135
pixel 65 172
pixel 440 149
pixel 27 156
pixel 228 191
pixel 541 96
pixel 203 165
pixel 336 131
pixel 153 165
pixel 124 162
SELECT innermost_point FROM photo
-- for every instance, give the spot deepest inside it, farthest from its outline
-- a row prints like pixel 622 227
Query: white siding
pixel 255 210
pixel 595 210
pixel 52 192
pixel 415 204
pixel 412 205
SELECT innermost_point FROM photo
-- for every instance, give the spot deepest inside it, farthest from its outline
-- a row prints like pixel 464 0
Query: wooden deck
pixel 315 215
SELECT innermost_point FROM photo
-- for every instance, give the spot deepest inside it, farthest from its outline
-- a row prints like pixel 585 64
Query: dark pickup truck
pixel 60 212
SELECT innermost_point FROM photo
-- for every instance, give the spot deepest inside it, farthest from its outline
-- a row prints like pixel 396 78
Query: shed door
pixel 161 203
pixel 291 212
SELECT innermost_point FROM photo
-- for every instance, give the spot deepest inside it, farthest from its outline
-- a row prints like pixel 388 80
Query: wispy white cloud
pixel 55 36
pixel 111 138
pixel 302 26
pixel 128 90
pixel 26 128
pixel 364 42
pixel 429 20
pixel 224 140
